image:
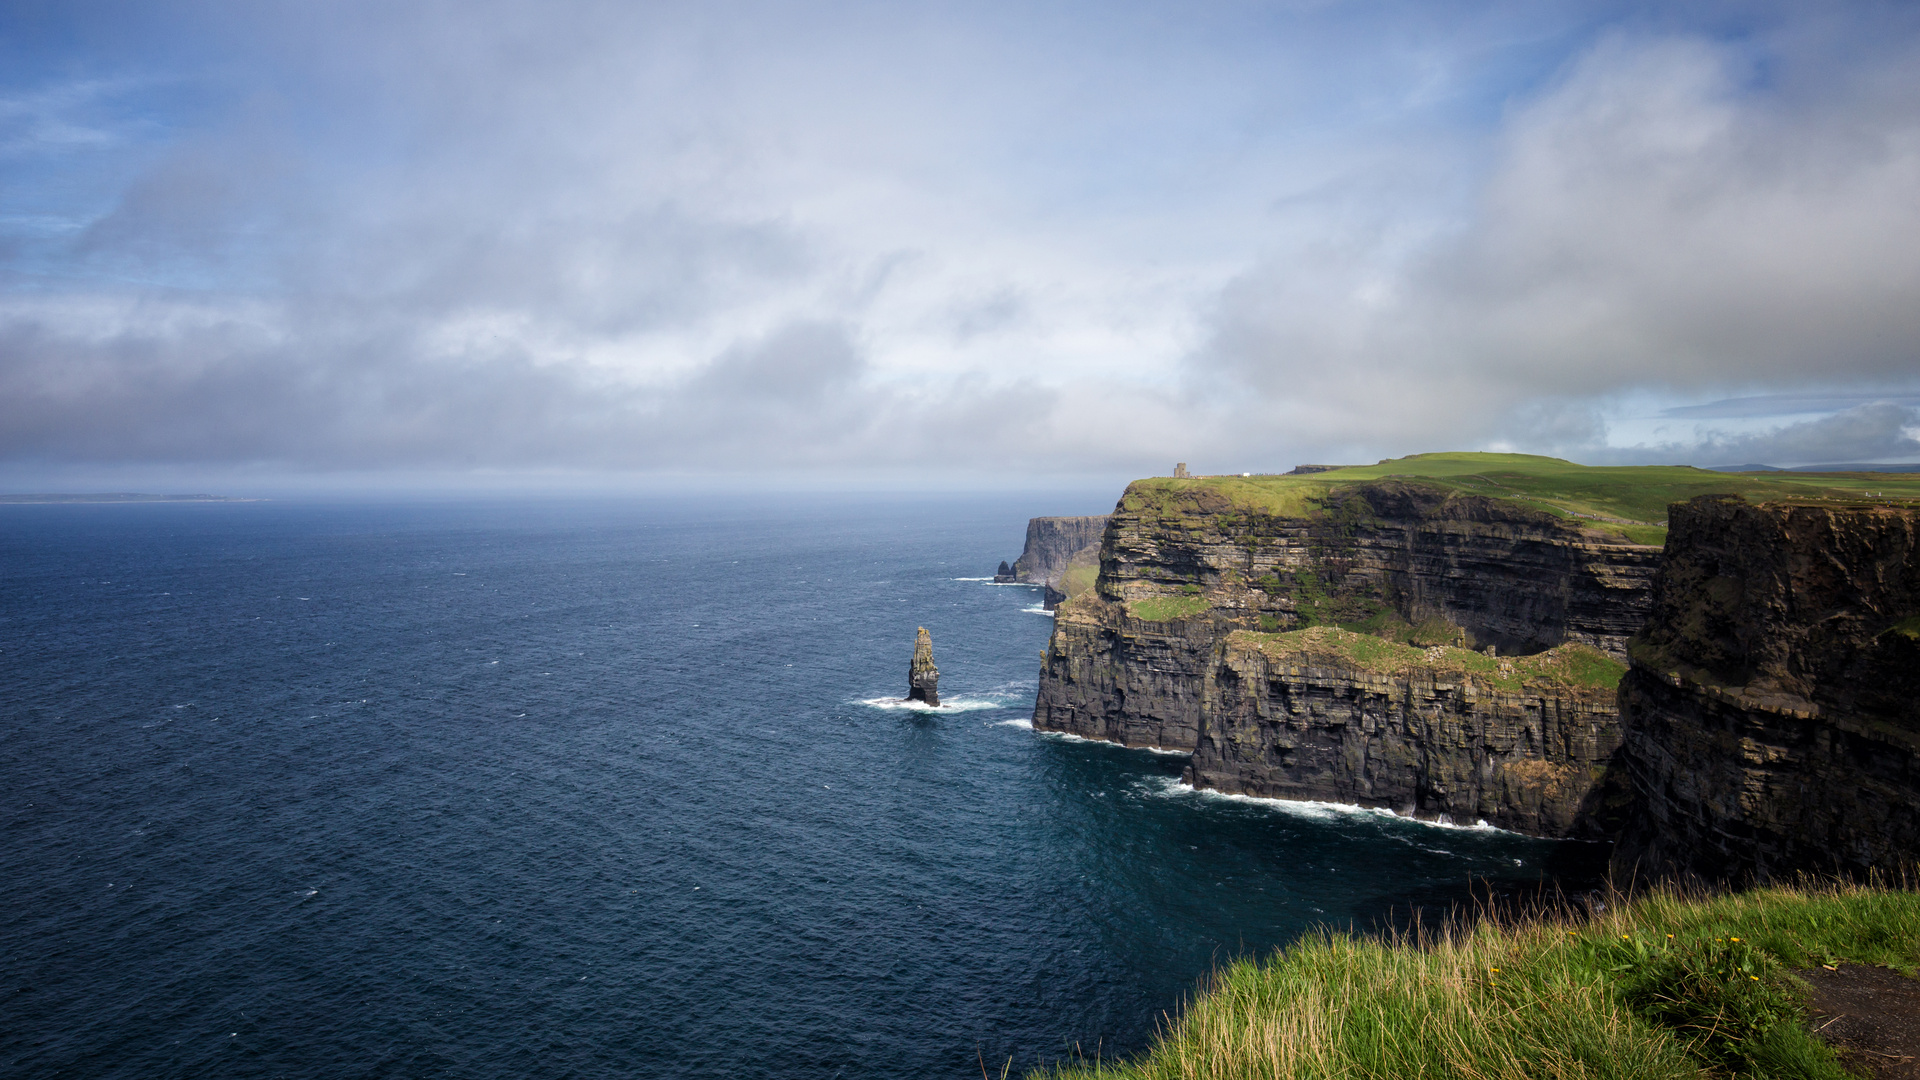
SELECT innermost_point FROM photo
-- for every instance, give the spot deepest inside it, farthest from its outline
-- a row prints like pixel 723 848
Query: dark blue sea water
pixel 589 790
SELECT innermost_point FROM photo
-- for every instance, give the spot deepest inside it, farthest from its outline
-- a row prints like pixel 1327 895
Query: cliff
pixel 1062 554
pixel 1185 566
pixel 1772 710
pixel 1052 543
pixel 1435 733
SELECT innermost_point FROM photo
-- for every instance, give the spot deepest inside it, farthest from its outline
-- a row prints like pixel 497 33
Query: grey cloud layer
pixel 1878 432
pixel 646 236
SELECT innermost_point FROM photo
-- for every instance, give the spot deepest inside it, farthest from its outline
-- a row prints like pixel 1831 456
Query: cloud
pixel 1655 220
pixel 1877 432
pixel 194 385
pixel 974 237
pixel 1784 404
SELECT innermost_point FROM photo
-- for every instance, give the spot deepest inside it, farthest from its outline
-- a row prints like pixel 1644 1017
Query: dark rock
pixel 1495 572
pixel 1426 737
pixel 1771 716
pixel 923 679
pixel 1107 675
pixel 1053 543
pixel 1004 575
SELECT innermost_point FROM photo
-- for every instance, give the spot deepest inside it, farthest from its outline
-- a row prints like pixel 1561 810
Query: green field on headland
pixel 1666 985
pixel 1628 500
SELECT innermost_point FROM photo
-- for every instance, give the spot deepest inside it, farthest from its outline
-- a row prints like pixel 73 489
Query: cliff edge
pixel 1061 553
pixel 1772 710
pixel 1188 641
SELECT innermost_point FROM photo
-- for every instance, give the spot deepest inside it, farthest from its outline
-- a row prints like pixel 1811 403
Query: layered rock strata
pixel 923 679
pixel 1436 733
pixel 1772 711
pixel 1182 568
pixel 1054 546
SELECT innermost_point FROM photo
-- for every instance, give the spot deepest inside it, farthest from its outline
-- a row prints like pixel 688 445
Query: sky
pixel 508 242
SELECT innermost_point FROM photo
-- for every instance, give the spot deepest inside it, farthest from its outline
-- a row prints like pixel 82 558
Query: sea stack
pixel 923 679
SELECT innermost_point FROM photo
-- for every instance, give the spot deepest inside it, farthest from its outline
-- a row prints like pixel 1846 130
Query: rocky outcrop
pixel 1182 567
pixel 1771 716
pixel 1108 675
pixel 1437 733
pixel 923 679
pixel 1055 542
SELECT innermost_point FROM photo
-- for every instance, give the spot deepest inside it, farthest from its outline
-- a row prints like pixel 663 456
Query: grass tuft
pixel 1167 608
pixel 1672 984
pixel 1566 665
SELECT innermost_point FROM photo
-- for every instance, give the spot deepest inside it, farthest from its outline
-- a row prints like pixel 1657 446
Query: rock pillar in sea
pixel 923 679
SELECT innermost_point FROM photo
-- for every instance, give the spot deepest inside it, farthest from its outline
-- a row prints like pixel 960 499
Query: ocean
pixel 605 788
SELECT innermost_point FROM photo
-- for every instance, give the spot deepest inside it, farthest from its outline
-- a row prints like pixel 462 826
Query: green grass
pixel 1564 665
pixel 1393 626
pixel 1635 497
pixel 1078 577
pixel 1167 608
pixel 1666 986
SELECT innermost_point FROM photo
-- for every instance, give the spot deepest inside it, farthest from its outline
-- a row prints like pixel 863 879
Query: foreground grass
pixel 1664 986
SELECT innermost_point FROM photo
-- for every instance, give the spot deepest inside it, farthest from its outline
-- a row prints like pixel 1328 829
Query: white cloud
pixel 654 236
pixel 1651 222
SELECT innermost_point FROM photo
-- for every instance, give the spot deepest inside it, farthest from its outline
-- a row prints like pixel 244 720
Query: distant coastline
pixel 116 497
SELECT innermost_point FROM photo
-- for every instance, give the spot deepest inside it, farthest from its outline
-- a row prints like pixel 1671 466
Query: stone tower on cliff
pixel 923 679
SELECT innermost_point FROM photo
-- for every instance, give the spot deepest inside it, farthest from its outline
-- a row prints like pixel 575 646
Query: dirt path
pixel 1872 1016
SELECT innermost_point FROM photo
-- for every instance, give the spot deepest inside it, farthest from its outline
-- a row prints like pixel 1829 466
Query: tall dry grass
pixel 1671 984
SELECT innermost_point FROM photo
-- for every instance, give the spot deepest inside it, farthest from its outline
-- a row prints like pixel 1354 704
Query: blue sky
pixel 954 240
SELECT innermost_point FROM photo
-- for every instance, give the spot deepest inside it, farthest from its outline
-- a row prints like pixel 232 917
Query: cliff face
pixel 1772 711
pixel 1509 576
pixel 1052 543
pixel 1108 675
pixel 1178 573
pixel 1435 733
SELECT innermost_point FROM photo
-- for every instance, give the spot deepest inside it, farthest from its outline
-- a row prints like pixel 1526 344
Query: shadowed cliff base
pixel 1772 712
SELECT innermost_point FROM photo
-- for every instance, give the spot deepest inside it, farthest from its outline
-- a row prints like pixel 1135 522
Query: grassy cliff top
pixel 1630 501
pixel 1669 985
pixel 1567 665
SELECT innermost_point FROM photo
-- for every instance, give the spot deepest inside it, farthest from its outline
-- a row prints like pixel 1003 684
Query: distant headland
pixel 116 497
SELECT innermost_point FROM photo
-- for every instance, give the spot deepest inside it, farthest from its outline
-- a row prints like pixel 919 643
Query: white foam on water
pixel 1068 737
pixel 1038 609
pixel 972 579
pixel 1018 721
pixel 951 705
pixel 1311 808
